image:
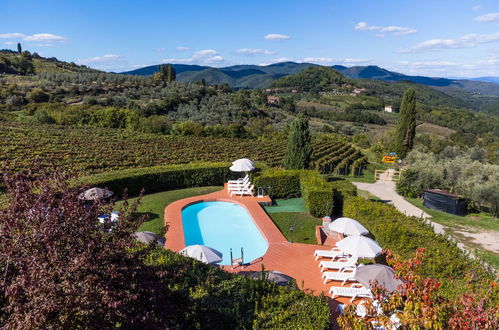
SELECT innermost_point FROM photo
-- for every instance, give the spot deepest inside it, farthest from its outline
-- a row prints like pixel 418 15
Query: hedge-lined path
pixel 385 189
pixel 294 259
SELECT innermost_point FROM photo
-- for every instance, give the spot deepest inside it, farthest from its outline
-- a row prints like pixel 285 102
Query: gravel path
pixel 384 188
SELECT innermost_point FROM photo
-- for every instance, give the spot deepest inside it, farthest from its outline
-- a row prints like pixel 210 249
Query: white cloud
pixel 181 48
pixel 385 30
pixel 363 26
pixel 10 42
pixel 277 60
pixel 466 41
pixel 102 59
pixel 40 39
pixel 14 35
pixel 276 36
pixel 488 18
pixel 325 60
pixel 476 8
pixel 44 37
pixel 254 51
pixel 203 57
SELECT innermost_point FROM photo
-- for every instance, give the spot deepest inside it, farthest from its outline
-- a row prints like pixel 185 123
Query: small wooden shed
pixel 445 201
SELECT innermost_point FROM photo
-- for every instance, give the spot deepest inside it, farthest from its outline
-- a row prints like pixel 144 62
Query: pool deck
pixel 294 259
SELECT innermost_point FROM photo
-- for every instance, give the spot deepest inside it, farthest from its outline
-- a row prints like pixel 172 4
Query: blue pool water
pixel 222 226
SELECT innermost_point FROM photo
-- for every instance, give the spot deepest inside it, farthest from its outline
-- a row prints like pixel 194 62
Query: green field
pixel 302 222
pixel 287 205
pixel 474 222
pixel 153 205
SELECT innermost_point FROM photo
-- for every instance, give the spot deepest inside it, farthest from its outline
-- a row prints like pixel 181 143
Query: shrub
pixel 320 197
pixel 209 298
pixel 403 235
pixel 280 183
pixel 160 178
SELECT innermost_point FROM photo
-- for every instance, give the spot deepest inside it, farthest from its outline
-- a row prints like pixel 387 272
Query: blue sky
pixel 458 38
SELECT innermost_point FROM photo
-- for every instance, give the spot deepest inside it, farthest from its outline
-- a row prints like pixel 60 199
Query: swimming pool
pixel 222 226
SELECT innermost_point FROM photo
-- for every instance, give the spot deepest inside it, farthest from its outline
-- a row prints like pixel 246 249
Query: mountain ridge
pixel 238 76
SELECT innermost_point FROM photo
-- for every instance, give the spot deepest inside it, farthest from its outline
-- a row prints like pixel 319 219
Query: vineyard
pixel 334 155
pixel 94 150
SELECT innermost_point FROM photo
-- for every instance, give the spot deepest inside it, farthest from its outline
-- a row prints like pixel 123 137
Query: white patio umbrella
pixel 348 226
pixel 360 246
pixel 242 165
pixel 95 193
pixel 384 275
pixel 148 237
pixel 202 253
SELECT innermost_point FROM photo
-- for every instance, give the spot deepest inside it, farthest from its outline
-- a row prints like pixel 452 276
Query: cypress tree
pixel 406 124
pixel 299 148
pixel 19 48
pixel 170 73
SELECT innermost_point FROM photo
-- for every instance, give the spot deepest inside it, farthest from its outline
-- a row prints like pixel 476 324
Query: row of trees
pixel 462 171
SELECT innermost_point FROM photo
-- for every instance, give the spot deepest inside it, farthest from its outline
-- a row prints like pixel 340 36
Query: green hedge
pixel 321 197
pixel 160 178
pixel 205 297
pixel 403 235
pixel 279 183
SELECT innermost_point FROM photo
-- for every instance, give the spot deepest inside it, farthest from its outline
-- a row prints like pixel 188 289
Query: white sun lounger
pixel 345 275
pixel 356 290
pixel 361 309
pixel 339 264
pixel 239 187
pixel 243 191
pixel 239 181
pixel 333 253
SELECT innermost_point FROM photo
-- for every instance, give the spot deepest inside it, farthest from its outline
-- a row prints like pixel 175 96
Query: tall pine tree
pixel 299 148
pixel 406 124
pixel 170 73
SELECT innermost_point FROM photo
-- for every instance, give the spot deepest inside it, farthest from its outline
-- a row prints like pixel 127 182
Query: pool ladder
pixel 237 261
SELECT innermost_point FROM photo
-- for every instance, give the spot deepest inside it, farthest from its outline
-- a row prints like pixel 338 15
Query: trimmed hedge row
pixel 205 297
pixel 160 178
pixel 320 197
pixel 403 235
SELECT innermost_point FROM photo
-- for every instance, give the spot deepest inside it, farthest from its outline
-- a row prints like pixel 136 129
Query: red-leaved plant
pixel 59 268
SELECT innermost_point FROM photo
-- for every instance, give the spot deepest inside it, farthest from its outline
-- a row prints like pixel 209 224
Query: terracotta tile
pixel 294 259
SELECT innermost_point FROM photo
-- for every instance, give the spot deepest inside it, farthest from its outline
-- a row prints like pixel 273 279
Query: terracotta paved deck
pixel 293 259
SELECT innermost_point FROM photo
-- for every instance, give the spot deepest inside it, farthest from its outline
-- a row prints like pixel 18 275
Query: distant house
pixel 388 108
pixel 271 99
pixel 357 91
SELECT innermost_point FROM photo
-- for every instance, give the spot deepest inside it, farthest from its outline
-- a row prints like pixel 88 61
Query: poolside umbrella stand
pixel 384 275
pixel 360 246
pixel 148 237
pixel 95 193
pixel 242 165
pixel 272 276
pixel 348 227
pixel 202 253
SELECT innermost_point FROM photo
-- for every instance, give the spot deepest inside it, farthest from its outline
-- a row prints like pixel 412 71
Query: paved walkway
pixel 384 188
pixel 294 259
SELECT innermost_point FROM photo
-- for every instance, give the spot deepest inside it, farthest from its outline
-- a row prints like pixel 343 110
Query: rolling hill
pixel 255 76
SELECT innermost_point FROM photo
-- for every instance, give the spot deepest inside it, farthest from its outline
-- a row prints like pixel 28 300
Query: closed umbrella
pixel 203 253
pixel 95 193
pixel 148 237
pixel 242 165
pixel 272 276
pixel 382 274
pixel 360 246
pixel 348 226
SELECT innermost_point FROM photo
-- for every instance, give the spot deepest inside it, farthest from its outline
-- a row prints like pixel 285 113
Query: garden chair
pixel 356 290
pixel 339 264
pixel 333 253
pixel 345 275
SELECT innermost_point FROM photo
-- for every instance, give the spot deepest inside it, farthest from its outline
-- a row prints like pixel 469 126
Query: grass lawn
pixel 154 205
pixel 287 205
pixel 470 223
pixel 480 221
pixel 303 223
